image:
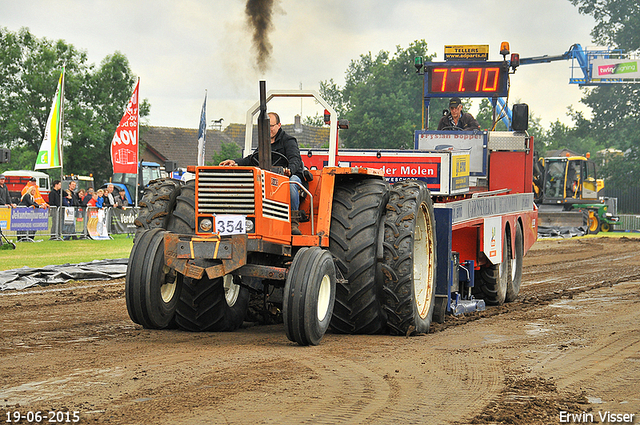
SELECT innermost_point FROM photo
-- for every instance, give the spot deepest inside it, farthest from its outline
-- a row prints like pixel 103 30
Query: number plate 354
pixel 230 224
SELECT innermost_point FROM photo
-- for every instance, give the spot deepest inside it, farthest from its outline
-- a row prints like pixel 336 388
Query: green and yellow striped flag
pixel 50 155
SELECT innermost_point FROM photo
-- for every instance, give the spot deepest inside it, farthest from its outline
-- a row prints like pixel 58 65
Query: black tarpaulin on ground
pixel 560 231
pixel 27 277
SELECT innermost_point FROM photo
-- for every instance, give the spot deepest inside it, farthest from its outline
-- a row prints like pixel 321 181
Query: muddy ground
pixel 569 345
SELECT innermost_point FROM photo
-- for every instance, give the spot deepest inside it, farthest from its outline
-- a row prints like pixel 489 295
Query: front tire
pixel 152 289
pixel 309 296
pixel 409 266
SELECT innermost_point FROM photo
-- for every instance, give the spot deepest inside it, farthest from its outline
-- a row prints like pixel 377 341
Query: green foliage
pixel 95 99
pixel 622 172
pixel 485 117
pixel 228 150
pixel 615 121
pixel 382 98
pixel 618 21
pixel 316 121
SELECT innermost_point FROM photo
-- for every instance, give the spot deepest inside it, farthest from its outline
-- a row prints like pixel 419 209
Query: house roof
pixel 179 144
pixel 163 144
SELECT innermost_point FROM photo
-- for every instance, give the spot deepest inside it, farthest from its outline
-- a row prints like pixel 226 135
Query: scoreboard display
pixel 466 79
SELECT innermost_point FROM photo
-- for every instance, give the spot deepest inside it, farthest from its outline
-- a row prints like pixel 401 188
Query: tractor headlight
pixel 206 225
pixel 249 225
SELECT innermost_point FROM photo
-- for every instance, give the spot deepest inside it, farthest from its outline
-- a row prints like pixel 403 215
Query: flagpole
pixel 138 161
pixel 59 217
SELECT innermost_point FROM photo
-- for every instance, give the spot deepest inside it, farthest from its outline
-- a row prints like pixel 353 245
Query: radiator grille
pixel 273 209
pixel 226 192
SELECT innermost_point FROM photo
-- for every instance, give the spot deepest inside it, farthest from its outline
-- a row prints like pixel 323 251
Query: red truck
pixel 18 179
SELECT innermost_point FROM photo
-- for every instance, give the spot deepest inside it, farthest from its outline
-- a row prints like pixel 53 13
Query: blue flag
pixel 202 132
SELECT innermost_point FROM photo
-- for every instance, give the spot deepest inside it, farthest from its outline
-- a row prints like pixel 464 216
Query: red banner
pixel 124 146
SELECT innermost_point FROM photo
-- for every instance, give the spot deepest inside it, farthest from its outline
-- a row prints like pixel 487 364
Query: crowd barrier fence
pixel 66 223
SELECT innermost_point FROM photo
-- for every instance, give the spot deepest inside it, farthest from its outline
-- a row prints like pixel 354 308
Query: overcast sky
pixel 180 48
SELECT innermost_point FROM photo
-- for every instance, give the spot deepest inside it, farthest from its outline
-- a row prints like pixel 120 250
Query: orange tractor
pixel 394 240
pixel 365 262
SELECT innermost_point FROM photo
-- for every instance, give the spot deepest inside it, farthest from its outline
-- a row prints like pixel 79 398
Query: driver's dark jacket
pixel 466 122
pixel 286 145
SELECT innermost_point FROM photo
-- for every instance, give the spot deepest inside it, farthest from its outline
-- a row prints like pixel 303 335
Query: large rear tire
pixel 205 304
pixel 356 223
pixel 516 258
pixel 309 296
pixel 152 289
pixel 409 265
pixel 156 205
pixel 494 278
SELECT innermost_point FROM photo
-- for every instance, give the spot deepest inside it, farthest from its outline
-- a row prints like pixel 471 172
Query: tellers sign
pixel 475 79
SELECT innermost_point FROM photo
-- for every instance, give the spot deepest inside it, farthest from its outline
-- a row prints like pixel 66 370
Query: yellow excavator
pixel 567 192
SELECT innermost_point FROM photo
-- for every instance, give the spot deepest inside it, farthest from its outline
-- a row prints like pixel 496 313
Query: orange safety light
pixel 588 155
pixel 504 48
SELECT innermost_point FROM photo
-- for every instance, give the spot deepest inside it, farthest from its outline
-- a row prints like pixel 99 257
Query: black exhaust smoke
pixel 259 14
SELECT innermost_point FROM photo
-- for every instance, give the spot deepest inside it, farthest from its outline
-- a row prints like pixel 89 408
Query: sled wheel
pixel 515 278
pixel 409 265
pixel 152 289
pixel 309 295
pixel 494 278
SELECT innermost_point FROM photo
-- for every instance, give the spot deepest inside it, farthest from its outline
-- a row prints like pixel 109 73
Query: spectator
pixel 37 197
pixel 92 201
pixel 88 196
pixel 5 197
pixel 28 200
pixel 55 200
pixel 75 201
pixel 109 197
pixel 81 195
pixel 121 199
pixel 100 198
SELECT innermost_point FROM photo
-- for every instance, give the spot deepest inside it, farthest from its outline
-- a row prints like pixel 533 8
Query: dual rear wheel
pixel 500 283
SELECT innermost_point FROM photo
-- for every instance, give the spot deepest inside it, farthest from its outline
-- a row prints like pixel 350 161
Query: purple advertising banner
pixel 25 218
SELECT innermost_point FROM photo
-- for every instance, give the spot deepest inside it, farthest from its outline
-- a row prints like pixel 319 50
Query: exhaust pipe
pixel 264 134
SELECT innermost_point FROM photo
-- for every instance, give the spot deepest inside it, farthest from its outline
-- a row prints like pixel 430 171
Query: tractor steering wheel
pixel 280 160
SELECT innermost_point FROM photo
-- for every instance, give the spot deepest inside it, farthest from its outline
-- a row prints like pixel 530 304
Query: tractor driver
pixel 286 145
pixel 456 119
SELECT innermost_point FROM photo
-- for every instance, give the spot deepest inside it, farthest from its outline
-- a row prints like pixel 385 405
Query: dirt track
pixel 570 343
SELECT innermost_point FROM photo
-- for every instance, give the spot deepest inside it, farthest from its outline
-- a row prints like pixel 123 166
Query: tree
pixel 95 113
pixel 381 98
pixel 615 108
pixel 228 150
pixel 95 99
pixel 618 21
